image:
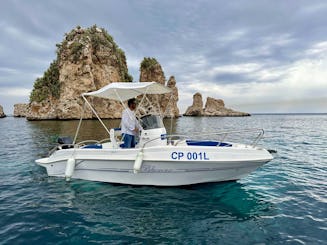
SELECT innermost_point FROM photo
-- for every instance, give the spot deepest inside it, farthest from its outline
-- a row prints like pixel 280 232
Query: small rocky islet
pixel 88 59
pixel 213 108
pixel 2 114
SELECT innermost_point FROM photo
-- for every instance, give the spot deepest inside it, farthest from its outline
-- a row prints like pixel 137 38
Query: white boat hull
pixel 161 166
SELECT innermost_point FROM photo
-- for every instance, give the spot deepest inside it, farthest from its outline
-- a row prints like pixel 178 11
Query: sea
pixel 283 202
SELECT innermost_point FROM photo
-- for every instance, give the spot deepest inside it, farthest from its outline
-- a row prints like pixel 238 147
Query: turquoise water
pixel 284 202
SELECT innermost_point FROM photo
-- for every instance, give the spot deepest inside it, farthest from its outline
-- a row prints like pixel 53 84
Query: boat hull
pixel 168 166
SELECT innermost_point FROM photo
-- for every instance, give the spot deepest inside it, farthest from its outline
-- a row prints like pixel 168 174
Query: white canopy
pixel 127 90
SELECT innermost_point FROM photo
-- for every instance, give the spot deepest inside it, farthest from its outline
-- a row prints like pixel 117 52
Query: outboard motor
pixel 65 142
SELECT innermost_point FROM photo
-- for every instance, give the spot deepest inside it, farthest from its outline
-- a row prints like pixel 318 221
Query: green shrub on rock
pixel 47 85
pixel 148 63
pixel 71 49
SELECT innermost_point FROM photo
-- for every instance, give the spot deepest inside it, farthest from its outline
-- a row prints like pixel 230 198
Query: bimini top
pixel 127 90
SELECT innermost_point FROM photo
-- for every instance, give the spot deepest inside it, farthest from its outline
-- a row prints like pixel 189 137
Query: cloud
pixel 29 41
pixel 245 52
pixel 303 83
pixel 15 92
pixel 317 49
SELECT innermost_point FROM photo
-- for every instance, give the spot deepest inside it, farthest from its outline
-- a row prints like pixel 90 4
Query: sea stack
pixel 196 109
pixel 2 114
pixel 151 71
pixel 87 59
pixel 216 108
pixel 21 110
pixel 213 107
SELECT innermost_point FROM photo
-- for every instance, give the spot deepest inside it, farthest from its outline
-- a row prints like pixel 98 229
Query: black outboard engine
pixel 65 142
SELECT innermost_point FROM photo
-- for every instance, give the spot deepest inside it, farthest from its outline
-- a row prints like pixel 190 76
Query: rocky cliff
pixel 21 110
pixel 2 114
pixel 213 107
pixel 87 60
pixel 151 70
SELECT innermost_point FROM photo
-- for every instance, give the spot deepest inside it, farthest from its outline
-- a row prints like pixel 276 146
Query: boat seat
pixel 114 134
pixel 93 146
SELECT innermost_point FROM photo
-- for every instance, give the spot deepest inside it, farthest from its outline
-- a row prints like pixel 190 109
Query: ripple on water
pixel 282 202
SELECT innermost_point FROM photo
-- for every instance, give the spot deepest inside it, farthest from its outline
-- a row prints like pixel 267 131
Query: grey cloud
pixel 232 78
pixel 188 38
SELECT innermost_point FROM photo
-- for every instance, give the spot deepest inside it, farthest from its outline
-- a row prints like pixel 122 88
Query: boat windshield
pixel 151 122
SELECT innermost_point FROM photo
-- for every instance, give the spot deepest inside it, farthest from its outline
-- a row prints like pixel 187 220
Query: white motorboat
pixel 158 159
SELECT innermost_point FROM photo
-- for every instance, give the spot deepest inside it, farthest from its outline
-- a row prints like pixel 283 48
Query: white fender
pixel 138 162
pixel 70 167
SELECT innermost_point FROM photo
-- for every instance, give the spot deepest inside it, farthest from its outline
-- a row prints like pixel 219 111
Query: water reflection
pixel 131 211
pixel 91 128
pixel 230 199
pixel 286 195
pixel 171 125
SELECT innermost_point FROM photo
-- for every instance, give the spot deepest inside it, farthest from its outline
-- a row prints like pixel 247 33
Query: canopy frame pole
pixel 170 110
pixel 96 114
pixel 168 106
pixel 158 106
pixel 143 97
pixel 122 102
pixel 79 124
pixel 139 104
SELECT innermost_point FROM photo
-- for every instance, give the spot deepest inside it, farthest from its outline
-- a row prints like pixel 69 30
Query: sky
pixel 259 56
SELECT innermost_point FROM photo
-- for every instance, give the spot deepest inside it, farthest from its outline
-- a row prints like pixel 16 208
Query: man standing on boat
pixel 130 126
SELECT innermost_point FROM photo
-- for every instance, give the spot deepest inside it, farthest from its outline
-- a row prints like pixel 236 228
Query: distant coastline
pixel 253 114
pixel 289 113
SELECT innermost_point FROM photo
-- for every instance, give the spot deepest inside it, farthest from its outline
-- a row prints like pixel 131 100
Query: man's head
pixel 132 104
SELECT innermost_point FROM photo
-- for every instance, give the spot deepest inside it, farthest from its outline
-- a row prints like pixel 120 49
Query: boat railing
pixel 250 137
pixel 221 138
pixel 105 140
pixel 60 147
pixel 86 142
pixel 77 145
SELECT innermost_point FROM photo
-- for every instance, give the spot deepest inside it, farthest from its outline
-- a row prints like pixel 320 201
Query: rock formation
pixel 150 71
pixel 87 59
pixel 196 109
pixel 213 107
pixel 216 107
pixel 2 114
pixel 172 110
pixel 21 110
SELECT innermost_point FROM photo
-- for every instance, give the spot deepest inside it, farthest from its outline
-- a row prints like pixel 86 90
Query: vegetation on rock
pixel 76 50
pixel 48 85
pixel 100 39
pixel 151 70
pixel 148 63
pixel 71 49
